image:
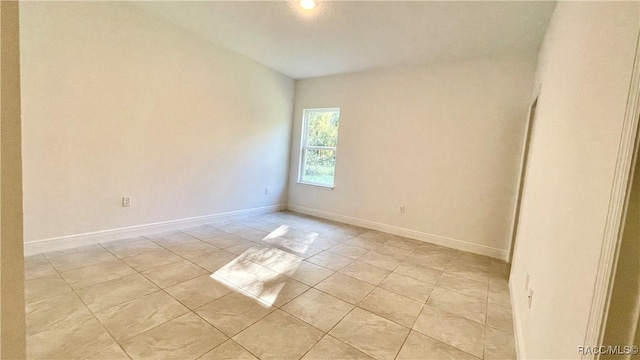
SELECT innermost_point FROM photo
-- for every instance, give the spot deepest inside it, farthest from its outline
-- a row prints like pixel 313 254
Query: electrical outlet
pixel 266 191
pixel 530 297
pixel 526 282
pixel 126 201
pixel 402 209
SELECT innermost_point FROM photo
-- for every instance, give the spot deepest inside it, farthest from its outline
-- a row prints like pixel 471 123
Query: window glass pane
pixel 319 166
pixel 322 129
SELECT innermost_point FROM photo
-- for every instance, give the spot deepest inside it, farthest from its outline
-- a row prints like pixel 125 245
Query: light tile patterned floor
pixel 278 286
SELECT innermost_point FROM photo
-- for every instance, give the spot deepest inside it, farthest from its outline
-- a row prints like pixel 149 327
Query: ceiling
pixel 348 36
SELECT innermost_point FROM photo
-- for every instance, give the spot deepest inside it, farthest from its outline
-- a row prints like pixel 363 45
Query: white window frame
pixel 303 147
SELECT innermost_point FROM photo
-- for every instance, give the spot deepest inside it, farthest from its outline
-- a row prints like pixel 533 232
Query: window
pixel 318 146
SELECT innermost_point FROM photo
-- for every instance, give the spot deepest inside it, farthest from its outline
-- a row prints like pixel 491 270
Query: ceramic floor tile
pixel 499 269
pixel 75 250
pixel 42 288
pixel 269 262
pixel 433 261
pixel 323 243
pixel 386 262
pixel 459 304
pixel 407 286
pixel 214 260
pixel 115 352
pixel 279 336
pixel 475 265
pixel 137 316
pixel 234 312
pixel 226 240
pixel 375 236
pixel 371 334
pixel 268 227
pixel 186 337
pixel 274 259
pixel 307 273
pixel 418 346
pixel 242 248
pixel 240 273
pixel 232 227
pixel 199 291
pixel 363 243
pixel 203 232
pixel 305 237
pixel 152 259
pixel 256 222
pixel 297 248
pixel 193 249
pixel 498 284
pixel 330 261
pixel 392 251
pixel 500 318
pixel 480 261
pixel 365 272
pixel 350 230
pixel 463 285
pixel 499 345
pixel 432 250
pixel 403 243
pixel 351 252
pixel 276 291
pixel 467 271
pixel 318 309
pixel 130 247
pixel 37 266
pixel 392 306
pixel 330 348
pixel 87 257
pixel 96 274
pixel 171 238
pixel 499 296
pixel 251 234
pixel 337 236
pixel 346 288
pixel 454 330
pixel 229 350
pixel 175 273
pixel 421 273
pixel 76 339
pixel 114 292
pixel 46 313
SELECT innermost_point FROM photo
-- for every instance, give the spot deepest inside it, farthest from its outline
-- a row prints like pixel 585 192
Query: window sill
pixel 323 187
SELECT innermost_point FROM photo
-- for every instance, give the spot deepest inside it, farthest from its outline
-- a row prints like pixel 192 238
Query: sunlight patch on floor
pixel 258 272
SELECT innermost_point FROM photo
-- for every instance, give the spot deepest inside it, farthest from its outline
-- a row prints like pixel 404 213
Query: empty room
pixel 319 180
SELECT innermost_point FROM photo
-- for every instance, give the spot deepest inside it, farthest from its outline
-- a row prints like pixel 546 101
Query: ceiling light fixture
pixel 308 4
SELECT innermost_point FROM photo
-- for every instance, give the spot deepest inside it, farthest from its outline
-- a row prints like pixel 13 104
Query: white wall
pixel 584 70
pixel 444 140
pixel 117 102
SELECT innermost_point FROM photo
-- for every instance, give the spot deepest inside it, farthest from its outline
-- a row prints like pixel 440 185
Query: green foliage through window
pixel 319 146
pixel 322 128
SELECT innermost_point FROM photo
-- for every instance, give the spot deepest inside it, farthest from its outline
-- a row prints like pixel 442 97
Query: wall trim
pixel 517 329
pixel 524 160
pixel 413 234
pixel 70 241
pixel 617 209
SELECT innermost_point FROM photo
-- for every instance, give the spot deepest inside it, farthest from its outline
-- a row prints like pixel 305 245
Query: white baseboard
pixel 517 330
pixel 66 242
pixel 413 234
